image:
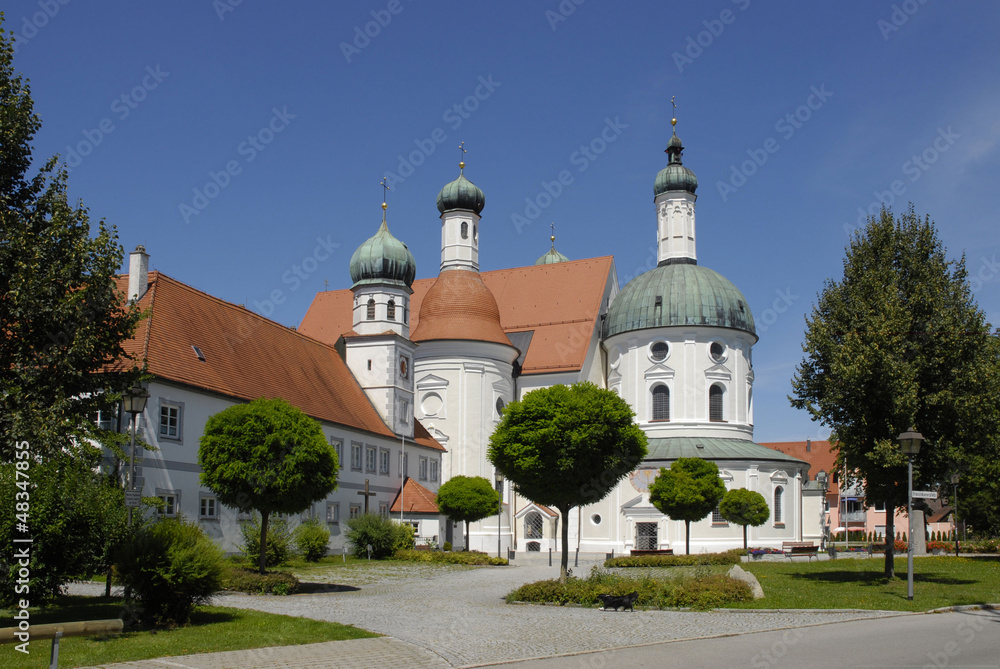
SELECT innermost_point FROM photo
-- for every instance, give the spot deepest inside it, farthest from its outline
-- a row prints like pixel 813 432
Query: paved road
pixel 440 617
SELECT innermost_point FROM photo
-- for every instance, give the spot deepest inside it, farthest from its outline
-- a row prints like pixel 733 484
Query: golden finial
pixel 461 162
pixel 673 121
pixel 552 238
pixel 385 189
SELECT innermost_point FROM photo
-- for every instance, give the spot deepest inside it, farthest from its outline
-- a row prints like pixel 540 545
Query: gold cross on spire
pixel 552 238
pixel 385 189
pixel 673 121
pixel 461 163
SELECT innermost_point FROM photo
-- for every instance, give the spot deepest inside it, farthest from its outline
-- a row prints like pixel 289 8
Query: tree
pixel 567 446
pixel 689 490
pixel 63 319
pixel 467 499
pixel 744 507
pixel 266 456
pixel 899 342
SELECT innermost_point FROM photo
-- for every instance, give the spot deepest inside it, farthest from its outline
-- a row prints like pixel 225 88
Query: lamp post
pixel 134 402
pixel 954 502
pixel 821 480
pixel 499 481
pixel 909 444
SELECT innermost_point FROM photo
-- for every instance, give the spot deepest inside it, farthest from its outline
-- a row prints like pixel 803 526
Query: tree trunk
pixel 564 561
pixel 263 541
pixel 107 583
pixel 467 536
pixel 890 540
pixel 687 537
pixel 744 537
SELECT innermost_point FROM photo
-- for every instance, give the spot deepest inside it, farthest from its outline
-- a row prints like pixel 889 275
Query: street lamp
pixel 954 503
pixel 821 479
pixel 909 444
pixel 499 481
pixel 134 403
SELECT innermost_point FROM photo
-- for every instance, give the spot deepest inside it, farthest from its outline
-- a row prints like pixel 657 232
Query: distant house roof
pixel 549 312
pixel 817 453
pixel 713 448
pixel 415 499
pixel 192 338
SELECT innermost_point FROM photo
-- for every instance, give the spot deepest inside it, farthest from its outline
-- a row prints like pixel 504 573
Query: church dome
pixel 552 256
pixel 383 259
pixel 459 306
pixel 682 294
pixel 675 176
pixel 461 194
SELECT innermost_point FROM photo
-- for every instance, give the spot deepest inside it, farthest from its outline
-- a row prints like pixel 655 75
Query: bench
pixel 663 551
pixel 56 631
pixel 799 548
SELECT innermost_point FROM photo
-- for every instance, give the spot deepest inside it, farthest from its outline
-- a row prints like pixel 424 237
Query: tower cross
pixel 385 188
pixel 461 162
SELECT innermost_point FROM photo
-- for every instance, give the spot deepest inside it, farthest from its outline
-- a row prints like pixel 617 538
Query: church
pixel 448 353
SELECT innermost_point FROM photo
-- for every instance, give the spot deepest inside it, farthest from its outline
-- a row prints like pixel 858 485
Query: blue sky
pixel 243 142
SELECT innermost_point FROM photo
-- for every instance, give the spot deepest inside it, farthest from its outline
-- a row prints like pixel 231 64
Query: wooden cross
pixel 366 494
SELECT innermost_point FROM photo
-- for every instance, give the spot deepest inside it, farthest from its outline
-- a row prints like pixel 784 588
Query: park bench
pixel 56 631
pixel 662 551
pixel 799 548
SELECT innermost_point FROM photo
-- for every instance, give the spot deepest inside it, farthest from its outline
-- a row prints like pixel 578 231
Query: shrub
pixel 279 539
pixel 937 545
pixel 312 539
pixel 460 557
pixel 447 546
pixel 729 557
pixel 169 568
pixel 384 536
pixel 254 583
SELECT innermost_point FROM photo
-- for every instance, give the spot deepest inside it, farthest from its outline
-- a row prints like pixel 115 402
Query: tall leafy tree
pixel 62 320
pixel 266 456
pixel 567 446
pixel 688 491
pixel 744 507
pixel 898 341
pixel 467 499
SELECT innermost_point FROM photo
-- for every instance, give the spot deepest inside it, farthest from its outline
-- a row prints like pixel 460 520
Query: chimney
pixel 138 270
pixel 809 445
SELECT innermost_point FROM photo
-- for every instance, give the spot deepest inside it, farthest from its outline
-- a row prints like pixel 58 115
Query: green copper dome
pixel 679 294
pixel 552 256
pixel 383 259
pixel 461 194
pixel 675 176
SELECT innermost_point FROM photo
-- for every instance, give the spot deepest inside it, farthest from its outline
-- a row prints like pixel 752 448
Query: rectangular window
pixel 356 456
pixel 370 454
pixel 170 421
pixel 383 509
pixel 717 518
pixel 423 469
pixel 880 506
pixel 169 504
pixel 646 536
pixel 355 510
pixel 209 508
pixel 333 512
pixel 338 445
pixel 383 461
pixel 106 419
pixel 434 470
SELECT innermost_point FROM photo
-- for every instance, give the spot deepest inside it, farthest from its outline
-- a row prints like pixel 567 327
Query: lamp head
pixel 910 441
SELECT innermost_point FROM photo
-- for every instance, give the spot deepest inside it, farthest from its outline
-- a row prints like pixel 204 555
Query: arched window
pixel 465 230
pixel 661 403
pixel 715 402
pixel 390 310
pixel 779 492
pixel 533 525
pixel 371 308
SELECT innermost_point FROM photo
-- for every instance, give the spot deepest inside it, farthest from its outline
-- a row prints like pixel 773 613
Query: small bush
pixel 460 557
pixel 729 557
pixel 447 546
pixel 168 569
pixel 312 539
pixel 384 536
pixel 279 539
pixel 404 537
pixel 255 583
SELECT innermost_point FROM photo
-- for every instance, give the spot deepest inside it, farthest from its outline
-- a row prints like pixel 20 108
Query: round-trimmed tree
pixel 744 507
pixel 688 491
pixel 567 446
pixel 266 456
pixel 467 499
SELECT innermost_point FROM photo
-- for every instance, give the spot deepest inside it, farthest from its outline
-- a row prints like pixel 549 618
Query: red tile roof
pixel 416 499
pixel 816 453
pixel 560 304
pixel 248 356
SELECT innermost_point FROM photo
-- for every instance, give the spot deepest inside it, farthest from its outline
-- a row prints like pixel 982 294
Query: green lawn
pixel 860 583
pixel 212 629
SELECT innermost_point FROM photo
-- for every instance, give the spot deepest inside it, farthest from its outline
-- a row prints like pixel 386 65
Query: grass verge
pixel 213 629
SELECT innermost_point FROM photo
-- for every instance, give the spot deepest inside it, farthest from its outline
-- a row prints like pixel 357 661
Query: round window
pixel 500 405
pixel 658 351
pixel 596 519
pixel 717 351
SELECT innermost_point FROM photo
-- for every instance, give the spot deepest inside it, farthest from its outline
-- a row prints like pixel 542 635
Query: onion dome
pixel 553 256
pixel 459 306
pixel 383 259
pixel 675 176
pixel 682 294
pixel 461 194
